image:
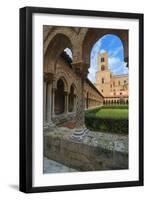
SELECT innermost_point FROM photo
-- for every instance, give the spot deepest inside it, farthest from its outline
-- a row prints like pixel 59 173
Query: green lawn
pixel 113 113
pixel 112 119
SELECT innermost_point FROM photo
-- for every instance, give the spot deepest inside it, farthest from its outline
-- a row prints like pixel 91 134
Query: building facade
pixel 114 88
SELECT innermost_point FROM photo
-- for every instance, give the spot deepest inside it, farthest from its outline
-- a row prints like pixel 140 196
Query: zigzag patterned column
pixel 81 130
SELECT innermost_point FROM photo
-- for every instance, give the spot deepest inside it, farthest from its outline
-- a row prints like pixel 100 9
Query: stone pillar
pixel 53 97
pixel 75 99
pixel 44 104
pixel 49 79
pixel 80 130
pixel 53 102
pixel 66 102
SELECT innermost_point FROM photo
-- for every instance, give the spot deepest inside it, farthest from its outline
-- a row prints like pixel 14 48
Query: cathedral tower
pixel 103 75
pixel 103 61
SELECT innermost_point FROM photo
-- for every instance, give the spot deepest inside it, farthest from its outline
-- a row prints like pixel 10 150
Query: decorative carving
pixel 81 69
pixel 48 77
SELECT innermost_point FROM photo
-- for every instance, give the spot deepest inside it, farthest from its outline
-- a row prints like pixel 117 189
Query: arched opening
pixel 56 47
pixel 68 51
pixel 112 102
pixel 122 100
pixel 71 99
pixel 93 35
pixel 114 46
pixel 59 97
pixel 103 67
pixel 103 80
pixel 66 54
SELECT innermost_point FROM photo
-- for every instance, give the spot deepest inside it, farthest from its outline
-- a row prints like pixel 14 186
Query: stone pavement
pixel 50 166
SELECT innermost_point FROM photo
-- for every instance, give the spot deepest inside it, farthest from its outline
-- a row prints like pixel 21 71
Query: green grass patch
pixel 112 113
pixel 113 119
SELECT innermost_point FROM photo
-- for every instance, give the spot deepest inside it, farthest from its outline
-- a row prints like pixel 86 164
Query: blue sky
pixel 113 45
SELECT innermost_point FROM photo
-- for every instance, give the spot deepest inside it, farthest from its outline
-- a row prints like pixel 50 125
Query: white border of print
pixel 131 174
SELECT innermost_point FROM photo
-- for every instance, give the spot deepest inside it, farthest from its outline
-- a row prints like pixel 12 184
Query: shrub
pixel 115 107
pixel 96 123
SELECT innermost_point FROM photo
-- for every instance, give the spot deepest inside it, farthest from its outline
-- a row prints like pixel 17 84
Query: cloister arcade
pixel 116 101
pixel 67 91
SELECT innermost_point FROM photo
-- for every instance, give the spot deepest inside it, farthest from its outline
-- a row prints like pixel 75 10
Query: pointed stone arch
pixel 63 77
pixel 55 47
pixel 53 31
pixel 94 34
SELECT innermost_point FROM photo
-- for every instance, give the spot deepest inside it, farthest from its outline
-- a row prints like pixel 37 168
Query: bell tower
pixel 103 61
pixel 103 75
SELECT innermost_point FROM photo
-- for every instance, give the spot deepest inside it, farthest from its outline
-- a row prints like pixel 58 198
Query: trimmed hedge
pixel 115 107
pixel 96 123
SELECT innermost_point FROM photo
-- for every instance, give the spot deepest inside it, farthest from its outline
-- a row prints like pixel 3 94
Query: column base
pixel 45 126
pixel 48 125
pixel 80 133
pixel 51 125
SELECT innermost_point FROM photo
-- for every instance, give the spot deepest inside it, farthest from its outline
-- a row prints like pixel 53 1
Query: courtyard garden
pixel 110 119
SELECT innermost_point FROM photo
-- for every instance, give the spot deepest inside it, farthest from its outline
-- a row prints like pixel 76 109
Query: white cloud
pixel 114 52
pixel 91 77
pixel 117 66
pixel 102 51
pixel 93 60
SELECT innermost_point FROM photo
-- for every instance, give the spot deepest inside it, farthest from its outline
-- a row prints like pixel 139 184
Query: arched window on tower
pixel 103 80
pixel 103 67
pixel 102 59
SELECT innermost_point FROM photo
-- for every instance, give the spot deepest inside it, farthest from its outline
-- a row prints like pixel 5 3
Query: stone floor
pixel 50 166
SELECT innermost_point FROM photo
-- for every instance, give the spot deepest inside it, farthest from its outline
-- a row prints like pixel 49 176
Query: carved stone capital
pixel 48 77
pixel 66 93
pixel 81 69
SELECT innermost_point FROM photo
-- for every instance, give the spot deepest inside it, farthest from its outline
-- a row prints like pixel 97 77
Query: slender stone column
pixel 75 99
pixel 49 78
pixel 81 130
pixel 44 105
pixel 53 102
pixel 66 102
pixel 53 96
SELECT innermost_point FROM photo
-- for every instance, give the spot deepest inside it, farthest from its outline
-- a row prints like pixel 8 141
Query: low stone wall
pixel 93 153
pixel 63 118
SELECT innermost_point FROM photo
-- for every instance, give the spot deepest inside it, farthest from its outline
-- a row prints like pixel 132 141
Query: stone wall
pixel 86 155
